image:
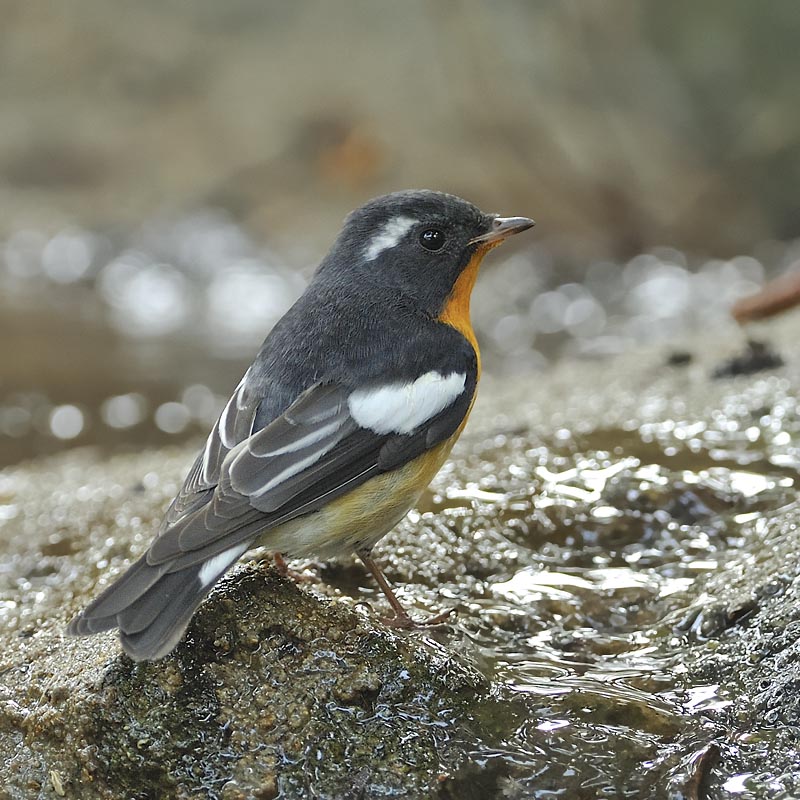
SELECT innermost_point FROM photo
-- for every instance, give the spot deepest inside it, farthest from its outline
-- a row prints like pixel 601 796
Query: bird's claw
pixel 405 622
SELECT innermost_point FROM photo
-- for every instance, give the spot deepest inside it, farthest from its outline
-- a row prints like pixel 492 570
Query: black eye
pixel 432 239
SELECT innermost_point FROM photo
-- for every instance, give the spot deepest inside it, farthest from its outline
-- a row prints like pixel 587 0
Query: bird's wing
pixel 330 440
pixel 235 424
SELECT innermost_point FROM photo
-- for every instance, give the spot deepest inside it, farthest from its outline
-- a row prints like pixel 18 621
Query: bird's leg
pixel 401 619
pixel 281 565
pixel 285 571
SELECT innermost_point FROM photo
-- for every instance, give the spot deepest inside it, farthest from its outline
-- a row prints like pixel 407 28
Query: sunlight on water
pixel 572 558
pixel 583 565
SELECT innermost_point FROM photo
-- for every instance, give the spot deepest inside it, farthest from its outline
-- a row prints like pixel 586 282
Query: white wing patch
pixel 215 566
pixel 403 407
pixel 388 236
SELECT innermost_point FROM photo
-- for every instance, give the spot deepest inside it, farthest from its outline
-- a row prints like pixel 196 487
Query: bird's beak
pixel 502 228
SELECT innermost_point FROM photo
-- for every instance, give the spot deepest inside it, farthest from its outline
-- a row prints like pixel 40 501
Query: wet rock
pixel 272 692
pixel 620 540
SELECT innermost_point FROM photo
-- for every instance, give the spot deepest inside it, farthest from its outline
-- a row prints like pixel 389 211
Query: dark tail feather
pixel 132 585
pixel 155 623
pixel 152 607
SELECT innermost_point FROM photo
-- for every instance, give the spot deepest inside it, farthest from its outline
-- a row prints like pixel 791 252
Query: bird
pixel 349 409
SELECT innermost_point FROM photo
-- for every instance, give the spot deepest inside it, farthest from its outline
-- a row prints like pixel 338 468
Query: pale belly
pixel 358 519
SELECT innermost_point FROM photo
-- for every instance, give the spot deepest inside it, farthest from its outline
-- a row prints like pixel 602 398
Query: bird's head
pixel 418 243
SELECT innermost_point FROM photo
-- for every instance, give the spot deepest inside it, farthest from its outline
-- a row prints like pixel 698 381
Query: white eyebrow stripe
pixel 404 407
pixel 388 236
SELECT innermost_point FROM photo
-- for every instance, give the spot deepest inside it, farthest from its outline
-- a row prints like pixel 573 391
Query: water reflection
pixel 66 422
pixel 123 410
pixel 581 564
pixel 571 556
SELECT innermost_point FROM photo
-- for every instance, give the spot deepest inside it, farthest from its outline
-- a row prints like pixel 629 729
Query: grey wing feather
pixel 139 578
pixel 275 460
pixel 242 484
pixel 234 425
pixel 245 482
pixel 309 455
pixel 159 618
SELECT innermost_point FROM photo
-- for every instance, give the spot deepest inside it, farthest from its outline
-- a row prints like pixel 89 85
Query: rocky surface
pixel 273 691
pixel 620 539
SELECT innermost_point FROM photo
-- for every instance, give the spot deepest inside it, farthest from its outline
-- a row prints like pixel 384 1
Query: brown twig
pixel 778 295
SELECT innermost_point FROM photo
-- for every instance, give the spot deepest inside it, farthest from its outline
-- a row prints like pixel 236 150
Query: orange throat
pixel 456 308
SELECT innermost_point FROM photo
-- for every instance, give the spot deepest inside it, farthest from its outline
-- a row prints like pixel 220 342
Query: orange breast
pixel 456 309
pixel 362 516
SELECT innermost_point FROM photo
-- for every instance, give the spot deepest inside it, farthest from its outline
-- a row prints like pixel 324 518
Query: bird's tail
pixel 151 605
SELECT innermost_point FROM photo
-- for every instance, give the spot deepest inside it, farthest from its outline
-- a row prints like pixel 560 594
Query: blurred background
pixel 171 172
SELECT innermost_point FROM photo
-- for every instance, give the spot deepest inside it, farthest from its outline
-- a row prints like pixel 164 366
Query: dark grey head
pixel 415 243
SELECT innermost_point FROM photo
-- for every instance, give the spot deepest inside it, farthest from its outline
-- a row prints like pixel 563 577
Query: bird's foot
pixel 285 571
pixel 401 619
pixel 405 622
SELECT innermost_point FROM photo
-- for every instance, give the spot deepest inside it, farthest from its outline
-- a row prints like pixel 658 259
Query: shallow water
pixel 582 554
pixel 568 532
